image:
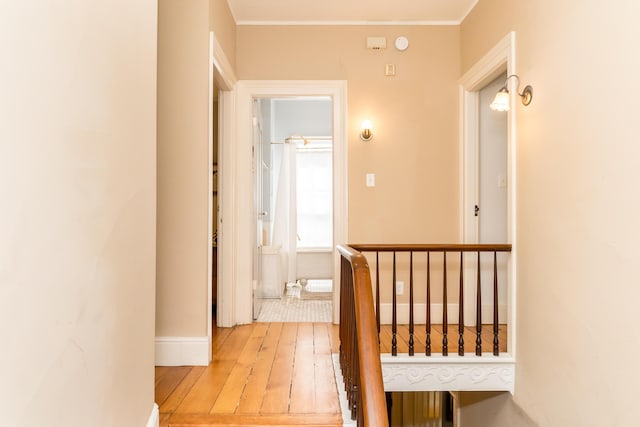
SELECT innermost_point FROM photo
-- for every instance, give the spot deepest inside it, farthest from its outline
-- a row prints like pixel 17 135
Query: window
pixel 314 196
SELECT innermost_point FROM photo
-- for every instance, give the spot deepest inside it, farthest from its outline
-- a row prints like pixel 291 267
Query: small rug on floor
pixel 291 309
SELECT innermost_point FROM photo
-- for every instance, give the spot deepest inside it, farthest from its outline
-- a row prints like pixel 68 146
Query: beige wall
pixel 415 147
pixel 183 147
pixel 490 409
pixel 77 224
pixel 577 169
pixel 224 27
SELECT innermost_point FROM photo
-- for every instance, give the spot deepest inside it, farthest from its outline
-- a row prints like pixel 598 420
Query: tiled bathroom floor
pixel 295 310
pixel 309 304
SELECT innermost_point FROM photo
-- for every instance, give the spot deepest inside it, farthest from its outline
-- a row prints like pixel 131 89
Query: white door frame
pixel 258 208
pixel 223 73
pixel 237 281
pixel 499 59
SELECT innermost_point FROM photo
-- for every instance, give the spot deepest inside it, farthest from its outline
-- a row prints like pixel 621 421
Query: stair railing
pixel 359 344
pixel 474 253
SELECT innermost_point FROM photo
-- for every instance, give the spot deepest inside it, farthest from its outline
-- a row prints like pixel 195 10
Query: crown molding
pixel 350 23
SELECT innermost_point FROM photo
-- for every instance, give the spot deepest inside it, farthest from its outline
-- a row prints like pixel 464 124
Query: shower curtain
pixel 285 215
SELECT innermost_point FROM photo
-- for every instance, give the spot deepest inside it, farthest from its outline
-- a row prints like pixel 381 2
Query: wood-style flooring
pixel 268 374
pixel 261 374
pixel 419 339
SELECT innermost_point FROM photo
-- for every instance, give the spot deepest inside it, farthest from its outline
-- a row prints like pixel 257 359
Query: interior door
pixel 492 197
pixel 258 210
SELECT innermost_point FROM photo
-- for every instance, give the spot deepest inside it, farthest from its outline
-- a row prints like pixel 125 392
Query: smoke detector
pixel 402 43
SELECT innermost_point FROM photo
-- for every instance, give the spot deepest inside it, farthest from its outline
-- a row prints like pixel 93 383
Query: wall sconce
pixel 366 133
pixel 501 101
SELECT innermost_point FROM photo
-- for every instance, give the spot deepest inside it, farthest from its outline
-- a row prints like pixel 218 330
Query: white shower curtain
pixel 285 215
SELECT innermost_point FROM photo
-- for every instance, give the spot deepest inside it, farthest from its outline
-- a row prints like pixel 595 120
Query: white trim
pixel 342 394
pixel 314 250
pixel 340 186
pixel 227 200
pixel 445 22
pixel 210 201
pixel 182 351
pixel 154 417
pixel 491 64
pixel 420 314
pixel 499 58
pixel 224 76
pixel 243 185
pixel 448 373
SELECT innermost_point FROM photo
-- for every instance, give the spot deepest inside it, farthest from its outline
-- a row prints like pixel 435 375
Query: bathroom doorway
pixel 237 186
pixel 293 167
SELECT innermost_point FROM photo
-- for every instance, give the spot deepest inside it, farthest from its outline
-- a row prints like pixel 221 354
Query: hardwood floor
pixel 420 334
pixel 268 374
pixel 263 374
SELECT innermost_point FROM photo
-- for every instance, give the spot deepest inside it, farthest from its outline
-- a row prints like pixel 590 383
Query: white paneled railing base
pixel 450 373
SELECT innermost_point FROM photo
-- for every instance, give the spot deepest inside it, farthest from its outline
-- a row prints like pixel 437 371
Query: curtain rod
pixel 303 138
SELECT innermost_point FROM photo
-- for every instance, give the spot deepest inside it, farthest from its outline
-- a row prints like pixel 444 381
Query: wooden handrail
pixel 454 247
pixel 360 317
pixel 370 386
pixel 443 249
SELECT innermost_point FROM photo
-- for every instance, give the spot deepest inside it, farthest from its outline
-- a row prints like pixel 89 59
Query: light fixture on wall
pixel 366 133
pixel 501 101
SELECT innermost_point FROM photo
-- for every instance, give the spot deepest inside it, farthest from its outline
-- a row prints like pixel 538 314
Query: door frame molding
pixel 501 58
pixel 238 281
pixel 222 72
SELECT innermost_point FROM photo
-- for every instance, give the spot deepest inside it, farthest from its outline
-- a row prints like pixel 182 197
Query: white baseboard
pixel 182 351
pixel 420 314
pixel 154 418
pixel 342 394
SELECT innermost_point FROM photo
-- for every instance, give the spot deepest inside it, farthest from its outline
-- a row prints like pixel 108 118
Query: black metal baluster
pixel 355 400
pixel 428 319
pixel 496 342
pixel 394 320
pixel 445 321
pixel 461 312
pixel 478 311
pixel 411 343
pixel 378 293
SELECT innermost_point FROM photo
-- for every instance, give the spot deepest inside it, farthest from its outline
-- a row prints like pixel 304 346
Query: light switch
pixel 390 70
pixel 502 181
pixel 371 180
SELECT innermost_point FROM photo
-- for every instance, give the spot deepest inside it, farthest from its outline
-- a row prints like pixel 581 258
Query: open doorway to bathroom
pixel 293 180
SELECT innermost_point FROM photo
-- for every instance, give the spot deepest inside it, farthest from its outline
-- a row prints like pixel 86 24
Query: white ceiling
pixel 358 12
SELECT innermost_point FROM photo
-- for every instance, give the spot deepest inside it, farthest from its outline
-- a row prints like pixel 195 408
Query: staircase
pixel 420 349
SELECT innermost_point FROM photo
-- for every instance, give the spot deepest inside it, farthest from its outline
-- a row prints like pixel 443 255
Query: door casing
pixel 236 280
pixel 499 59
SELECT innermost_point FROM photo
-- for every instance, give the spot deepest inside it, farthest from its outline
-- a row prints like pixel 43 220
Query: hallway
pixel 261 374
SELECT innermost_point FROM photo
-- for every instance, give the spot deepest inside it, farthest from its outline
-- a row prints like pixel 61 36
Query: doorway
pixel 488 176
pixel 491 209
pixel 222 83
pixel 293 177
pixel 239 183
